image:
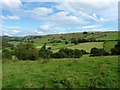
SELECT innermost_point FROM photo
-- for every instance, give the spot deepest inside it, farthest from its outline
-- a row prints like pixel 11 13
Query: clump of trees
pixel 74 40
pixel 98 52
pixel 7 50
pixel 45 52
pixel 67 53
pixel 85 32
pixel 6 54
pixel 29 52
pixel 116 49
pixel 83 40
pixel 26 52
pixel 66 42
pixel 7 45
pixel 55 41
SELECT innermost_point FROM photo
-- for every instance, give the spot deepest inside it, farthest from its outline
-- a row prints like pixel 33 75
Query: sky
pixel 22 18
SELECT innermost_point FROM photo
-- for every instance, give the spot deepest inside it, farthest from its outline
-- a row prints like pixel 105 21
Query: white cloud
pixel 97 28
pixel 10 31
pixel 11 4
pixel 38 12
pixel 38 32
pixel 8 17
pixel 93 17
pixel 90 27
pixel 105 9
pixel 62 18
pixel 44 27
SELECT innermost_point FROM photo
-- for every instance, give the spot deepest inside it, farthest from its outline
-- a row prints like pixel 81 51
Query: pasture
pixel 84 72
pixel 101 72
pixel 108 45
pixel 87 46
pixel 109 36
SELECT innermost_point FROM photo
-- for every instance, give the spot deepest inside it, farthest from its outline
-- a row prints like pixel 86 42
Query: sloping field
pixel 109 36
pixel 109 45
pixel 62 73
pixel 87 46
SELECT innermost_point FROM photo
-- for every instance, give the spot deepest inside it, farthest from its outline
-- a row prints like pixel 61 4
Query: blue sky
pixel 40 18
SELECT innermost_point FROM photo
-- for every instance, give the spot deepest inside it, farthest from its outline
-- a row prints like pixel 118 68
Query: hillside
pixel 40 40
pixel 83 72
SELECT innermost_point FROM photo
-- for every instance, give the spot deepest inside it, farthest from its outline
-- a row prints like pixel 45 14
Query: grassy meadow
pixel 83 72
pixel 108 45
pixel 62 73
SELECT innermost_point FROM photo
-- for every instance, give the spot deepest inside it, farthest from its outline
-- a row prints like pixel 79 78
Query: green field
pixel 108 45
pixel 87 46
pixel 62 73
pixel 109 36
pixel 84 72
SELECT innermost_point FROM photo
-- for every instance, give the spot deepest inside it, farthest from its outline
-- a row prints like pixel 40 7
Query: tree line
pixel 29 52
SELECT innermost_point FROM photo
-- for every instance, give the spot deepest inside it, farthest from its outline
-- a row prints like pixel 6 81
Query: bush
pixel 84 52
pixel 45 53
pixel 7 45
pixel 26 52
pixel 77 53
pixel 66 42
pixel 116 49
pixel 6 54
pixel 67 53
pixel 98 52
pixel 55 41
pixel 32 42
pixel 59 55
pixel 49 48
pixel 74 40
pixel 82 40
pixel 85 32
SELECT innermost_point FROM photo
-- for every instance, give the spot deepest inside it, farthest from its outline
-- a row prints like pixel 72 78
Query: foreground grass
pixel 62 73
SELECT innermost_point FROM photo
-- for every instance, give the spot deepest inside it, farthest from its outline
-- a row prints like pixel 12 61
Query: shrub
pixel 32 41
pixel 49 48
pixel 59 55
pixel 85 32
pixel 116 49
pixel 55 41
pixel 6 54
pixel 83 51
pixel 7 45
pixel 98 52
pixel 26 51
pixel 67 53
pixel 74 40
pixel 66 42
pixel 45 53
pixel 77 53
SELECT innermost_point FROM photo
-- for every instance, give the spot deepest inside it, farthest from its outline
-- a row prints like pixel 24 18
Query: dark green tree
pixel 26 52
pixel 116 49
pixel 98 52
pixel 6 54
pixel 45 52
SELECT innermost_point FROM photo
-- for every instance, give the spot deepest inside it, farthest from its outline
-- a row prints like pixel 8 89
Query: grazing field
pixel 87 71
pixel 83 72
pixel 108 45
pixel 87 46
pixel 109 36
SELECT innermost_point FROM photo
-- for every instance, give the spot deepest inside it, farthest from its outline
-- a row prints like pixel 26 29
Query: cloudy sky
pixel 20 18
